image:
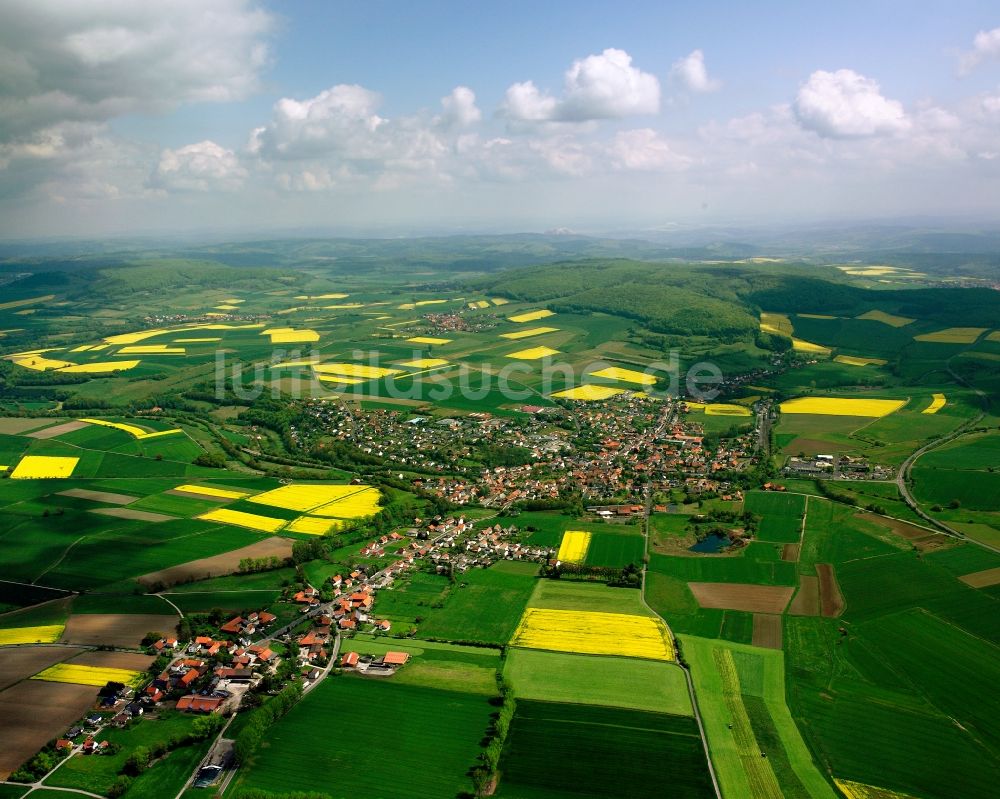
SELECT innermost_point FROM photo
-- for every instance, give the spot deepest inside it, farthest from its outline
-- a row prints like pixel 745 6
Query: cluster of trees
pixel 258 722
pixel 484 776
pixel 254 565
pixel 628 577
pixel 41 764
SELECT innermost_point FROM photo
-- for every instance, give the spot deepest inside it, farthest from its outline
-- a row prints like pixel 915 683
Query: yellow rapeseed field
pixel 858 790
pixel 628 375
pixel 44 634
pixel 100 367
pixel 869 271
pixel 953 335
pixel 591 633
pixel 211 491
pixel 343 381
pixel 938 401
pixel 238 518
pixel 838 406
pixel 851 360
pixel 344 306
pixel 40 364
pixel 777 323
pixel 499 301
pixel 725 409
pixel 355 370
pixel 533 354
pixel 815 316
pixel 694 406
pixel 428 340
pixel 574 546
pixel 151 349
pixel 353 506
pixel 43 466
pixel 290 364
pixel 87 675
pixel 142 335
pixel 424 363
pixel 589 393
pixel 226 307
pixel 531 316
pixel 312 525
pixel 479 304
pixel 807 346
pixel 132 430
pixel 196 340
pixel 535 331
pixel 331 296
pixel 289 335
pixel 305 496
pixel 887 318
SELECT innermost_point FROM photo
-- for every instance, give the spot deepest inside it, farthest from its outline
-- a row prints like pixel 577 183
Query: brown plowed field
pixel 115 629
pixel 742 596
pixel 58 430
pixel 830 599
pixel 114 660
pixel 33 712
pixel 135 514
pixel 20 662
pixel 806 601
pixel 218 565
pixel 790 552
pixel 767 630
pixel 983 579
pixel 99 496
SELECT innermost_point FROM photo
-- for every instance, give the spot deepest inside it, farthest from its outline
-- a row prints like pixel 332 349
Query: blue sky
pixel 236 114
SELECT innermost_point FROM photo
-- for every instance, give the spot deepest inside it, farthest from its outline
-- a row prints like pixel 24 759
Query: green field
pixel 614 551
pixel 567 595
pixel 433 737
pixel 593 680
pixel 484 606
pixel 736 737
pixel 564 750
pixel 433 664
pixel 98 774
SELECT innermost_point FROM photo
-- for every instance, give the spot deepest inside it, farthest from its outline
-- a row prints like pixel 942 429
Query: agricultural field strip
pixel 594 633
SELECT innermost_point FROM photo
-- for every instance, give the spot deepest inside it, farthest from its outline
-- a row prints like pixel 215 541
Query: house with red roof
pixel 192 703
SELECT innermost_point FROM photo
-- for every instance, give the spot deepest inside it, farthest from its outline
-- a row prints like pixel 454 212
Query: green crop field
pixel 614 551
pixel 564 750
pixel 781 515
pixel 485 606
pixel 735 736
pixel 433 736
pixel 594 680
pixel 568 595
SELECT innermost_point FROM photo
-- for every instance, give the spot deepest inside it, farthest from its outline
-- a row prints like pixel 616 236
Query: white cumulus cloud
pixel 845 104
pixel 985 47
pixel 459 108
pixel 645 150
pixel 691 74
pixel 602 86
pixel 205 166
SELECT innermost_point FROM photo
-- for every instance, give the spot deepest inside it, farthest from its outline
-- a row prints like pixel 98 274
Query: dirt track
pixel 115 629
pixel 218 565
pixel 742 596
pixel 33 712
pixel 136 515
